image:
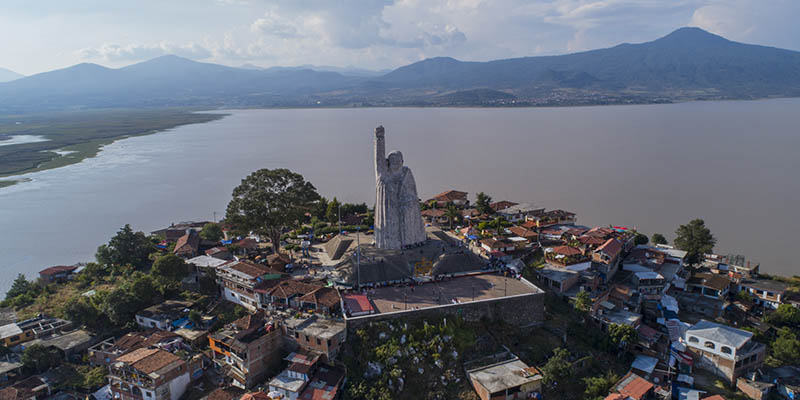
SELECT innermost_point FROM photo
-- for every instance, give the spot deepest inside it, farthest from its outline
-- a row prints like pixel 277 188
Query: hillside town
pixel 294 296
pixel 234 317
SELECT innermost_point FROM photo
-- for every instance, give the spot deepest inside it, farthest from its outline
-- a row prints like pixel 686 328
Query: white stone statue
pixel 398 222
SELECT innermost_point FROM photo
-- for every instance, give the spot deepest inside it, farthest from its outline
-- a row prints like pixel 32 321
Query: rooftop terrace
pixel 462 289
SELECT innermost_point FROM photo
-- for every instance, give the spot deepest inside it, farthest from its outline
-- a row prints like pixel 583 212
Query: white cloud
pixel 133 52
pixel 390 33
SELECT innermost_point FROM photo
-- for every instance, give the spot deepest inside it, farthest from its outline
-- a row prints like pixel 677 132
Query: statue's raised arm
pixel 380 152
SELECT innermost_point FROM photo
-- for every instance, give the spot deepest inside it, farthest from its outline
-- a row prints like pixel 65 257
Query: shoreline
pixel 76 153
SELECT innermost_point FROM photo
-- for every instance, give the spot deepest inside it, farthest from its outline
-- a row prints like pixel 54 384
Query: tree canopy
pixel 583 301
pixel 696 239
pixel 212 232
pixel 269 200
pixel 20 286
pixel 557 368
pixel 598 387
pixel 332 212
pixel 169 266
pixel 126 248
pixel 39 358
pixel 786 348
pixel 483 203
pixel 622 334
pixel 658 238
pixel 640 239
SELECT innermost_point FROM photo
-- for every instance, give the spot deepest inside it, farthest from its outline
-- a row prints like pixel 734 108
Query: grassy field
pixel 82 133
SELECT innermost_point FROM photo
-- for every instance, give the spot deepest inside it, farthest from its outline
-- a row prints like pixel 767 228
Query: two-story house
pixel 149 374
pixel 247 348
pixel 766 292
pixel 238 281
pixel 723 350
pixel 315 334
pixel 606 258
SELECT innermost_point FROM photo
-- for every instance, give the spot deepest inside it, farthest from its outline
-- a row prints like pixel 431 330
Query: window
pixel 726 350
pixel 329 343
pixel 319 342
pixel 693 339
pixel 307 339
pixel 14 338
pixel 709 345
pixel 297 335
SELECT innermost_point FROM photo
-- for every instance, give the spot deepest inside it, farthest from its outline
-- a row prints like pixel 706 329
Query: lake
pixel 651 167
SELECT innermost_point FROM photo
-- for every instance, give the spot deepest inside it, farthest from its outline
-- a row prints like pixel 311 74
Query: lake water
pixel 652 167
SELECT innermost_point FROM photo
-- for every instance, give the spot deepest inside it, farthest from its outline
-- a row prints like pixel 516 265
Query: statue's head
pixel 395 161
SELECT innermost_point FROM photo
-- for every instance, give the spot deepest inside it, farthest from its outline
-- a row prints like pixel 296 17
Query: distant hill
pixel 7 75
pixel 687 64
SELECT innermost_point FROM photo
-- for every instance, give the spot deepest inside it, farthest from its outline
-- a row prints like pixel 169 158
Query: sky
pixel 42 35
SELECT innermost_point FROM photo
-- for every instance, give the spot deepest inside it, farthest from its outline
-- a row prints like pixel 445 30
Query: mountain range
pixel 687 64
pixel 7 75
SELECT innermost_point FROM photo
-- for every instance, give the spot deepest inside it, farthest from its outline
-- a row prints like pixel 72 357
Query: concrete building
pixel 520 212
pixel 238 281
pixel 19 332
pixel 149 374
pixel 247 349
pixel 316 335
pixel 766 292
pixel 723 350
pixel 165 316
pixel 510 379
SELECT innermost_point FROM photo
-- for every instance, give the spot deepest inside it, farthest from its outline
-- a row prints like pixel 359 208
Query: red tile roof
pixel 58 269
pixel 591 240
pixel 636 387
pixel 450 195
pixel 502 205
pixel 148 360
pixel 611 248
pixel 254 270
pixel 357 302
pixel 433 212
pixel 523 232
pixel 714 397
pixel 566 250
pixel 188 243
pixel 325 296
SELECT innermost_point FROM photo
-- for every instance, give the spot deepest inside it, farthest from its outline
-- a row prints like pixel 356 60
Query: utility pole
pixel 340 218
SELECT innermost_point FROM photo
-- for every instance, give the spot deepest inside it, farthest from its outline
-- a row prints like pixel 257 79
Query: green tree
pixel 332 213
pixel 786 347
pixel 640 239
pixel 695 239
pixel 622 334
pixel 39 358
pixel 583 301
pixel 784 315
pixel 319 208
pixel 268 201
pixel 18 287
pixel 79 310
pixel 143 286
pixel 126 247
pixel 598 387
pixel 557 368
pixel 658 238
pixel 170 267
pixel 452 213
pixel 483 203
pixel 94 378
pixel 120 306
pixel 212 232
pixel 196 318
